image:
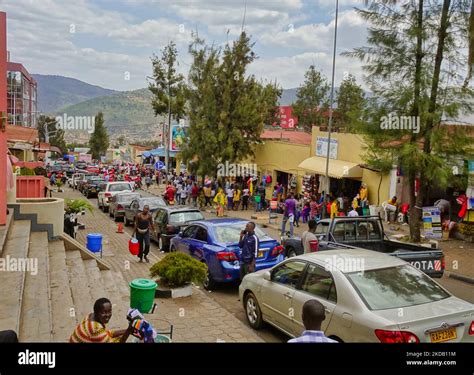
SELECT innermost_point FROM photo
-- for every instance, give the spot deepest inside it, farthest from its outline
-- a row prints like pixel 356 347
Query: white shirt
pixel 353 213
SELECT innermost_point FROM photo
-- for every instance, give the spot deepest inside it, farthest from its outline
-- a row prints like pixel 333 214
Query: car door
pixel 160 221
pixel 131 211
pixel 277 294
pixel 184 244
pixel 197 242
pixel 317 283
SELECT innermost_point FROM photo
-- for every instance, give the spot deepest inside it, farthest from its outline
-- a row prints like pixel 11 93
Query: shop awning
pixel 337 168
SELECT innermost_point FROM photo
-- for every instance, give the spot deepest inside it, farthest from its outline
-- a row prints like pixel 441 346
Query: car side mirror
pixel 180 234
pixel 267 276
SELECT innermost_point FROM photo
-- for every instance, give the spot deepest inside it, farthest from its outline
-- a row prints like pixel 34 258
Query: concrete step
pixel 79 283
pixel 115 287
pixel 11 278
pixel 97 289
pixel 64 316
pixel 35 319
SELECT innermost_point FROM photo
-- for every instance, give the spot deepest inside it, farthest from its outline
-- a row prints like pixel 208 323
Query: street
pixel 226 295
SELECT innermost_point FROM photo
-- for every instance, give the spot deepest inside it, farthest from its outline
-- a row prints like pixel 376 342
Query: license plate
pixel 445 335
pixel 261 254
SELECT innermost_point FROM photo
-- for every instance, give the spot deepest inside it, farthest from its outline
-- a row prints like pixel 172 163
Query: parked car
pixel 120 202
pixel 76 177
pixel 110 189
pixel 81 164
pixel 93 187
pixel 367 232
pixel 170 220
pixel 93 169
pixel 136 206
pixel 368 297
pixel 216 243
pixel 85 180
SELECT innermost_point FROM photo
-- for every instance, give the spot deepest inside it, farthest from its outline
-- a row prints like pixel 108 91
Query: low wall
pixel 47 210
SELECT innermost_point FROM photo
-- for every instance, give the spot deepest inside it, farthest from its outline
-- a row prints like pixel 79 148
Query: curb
pixel 456 276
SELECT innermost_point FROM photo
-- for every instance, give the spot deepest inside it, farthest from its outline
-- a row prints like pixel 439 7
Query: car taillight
pixel 314 245
pixel 443 263
pixel 170 229
pixel 277 250
pixel 119 207
pixel 471 328
pixel 107 195
pixel 227 256
pixel 395 337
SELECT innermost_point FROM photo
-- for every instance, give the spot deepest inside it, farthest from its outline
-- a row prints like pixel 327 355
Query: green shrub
pixel 24 171
pixel 178 269
pixel 40 171
pixel 77 205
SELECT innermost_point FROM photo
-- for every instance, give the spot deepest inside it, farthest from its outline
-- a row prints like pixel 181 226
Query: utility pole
pixel 332 98
pixel 168 132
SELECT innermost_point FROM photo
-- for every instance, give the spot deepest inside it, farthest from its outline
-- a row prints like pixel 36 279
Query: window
pixel 288 274
pixel 374 231
pixel 396 287
pixel 319 283
pixel 119 187
pixel 201 234
pixel 349 231
pixel 339 231
pixel 189 231
pixel 231 233
pixel 321 229
pixel 161 216
pixel 182 217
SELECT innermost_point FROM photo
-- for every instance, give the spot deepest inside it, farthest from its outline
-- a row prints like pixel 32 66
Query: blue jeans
pixel 283 225
pixel 144 243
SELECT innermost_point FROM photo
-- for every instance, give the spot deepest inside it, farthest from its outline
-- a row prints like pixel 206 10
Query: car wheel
pixel 209 283
pixel 252 311
pixel 98 204
pixel 160 244
pixel 290 252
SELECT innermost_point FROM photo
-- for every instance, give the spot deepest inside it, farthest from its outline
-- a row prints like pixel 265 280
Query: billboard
pixel 322 147
pixel 179 136
pixel 287 120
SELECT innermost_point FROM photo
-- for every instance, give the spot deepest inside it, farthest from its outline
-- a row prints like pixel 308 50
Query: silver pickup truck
pixel 367 232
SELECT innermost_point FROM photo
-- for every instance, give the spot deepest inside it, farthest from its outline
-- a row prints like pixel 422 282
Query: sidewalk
pixel 195 319
pixel 459 255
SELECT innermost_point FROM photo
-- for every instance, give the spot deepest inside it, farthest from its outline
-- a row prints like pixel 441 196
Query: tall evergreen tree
pixel 311 99
pixel 227 108
pixel 168 89
pixel 48 131
pixel 413 65
pixel 99 140
pixel 350 102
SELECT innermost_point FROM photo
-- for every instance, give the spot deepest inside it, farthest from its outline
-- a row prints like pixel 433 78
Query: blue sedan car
pixel 216 243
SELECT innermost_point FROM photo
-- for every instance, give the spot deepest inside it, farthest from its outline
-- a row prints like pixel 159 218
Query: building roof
pixel 291 136
pixel 17 67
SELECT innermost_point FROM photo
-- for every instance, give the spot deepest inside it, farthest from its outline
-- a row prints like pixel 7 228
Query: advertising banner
pixel 432 222
pixel 178 135
pixel 322 147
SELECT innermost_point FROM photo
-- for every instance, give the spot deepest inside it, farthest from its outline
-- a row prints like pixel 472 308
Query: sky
pixel 110 43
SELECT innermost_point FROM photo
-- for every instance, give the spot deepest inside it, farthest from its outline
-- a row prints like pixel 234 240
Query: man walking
pixel 309 239
pixel 313 316
pixel 249 244
pixel 143 223
pixel 289 214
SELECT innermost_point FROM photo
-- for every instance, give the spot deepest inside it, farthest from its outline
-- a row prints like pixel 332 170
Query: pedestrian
pixel 249 245
pixel 183 194
pixel 52 180
pixel 313 316
pixel 237 196
pixel 334 209
pixel 245 198
pixel 389 207
pixel 261 193
pixel 289 214
pixel 148 181
pixel 353 212
pixel 194 194
pixel 219 199
pixel 230 197
pixel 207 195
pixel 306 211
pixel 309 241
pixel 143 224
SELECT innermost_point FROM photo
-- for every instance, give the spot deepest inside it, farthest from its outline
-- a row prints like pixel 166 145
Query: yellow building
pixel 346 168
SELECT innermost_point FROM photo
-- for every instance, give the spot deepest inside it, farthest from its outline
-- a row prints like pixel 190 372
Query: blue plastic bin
pixel 94 242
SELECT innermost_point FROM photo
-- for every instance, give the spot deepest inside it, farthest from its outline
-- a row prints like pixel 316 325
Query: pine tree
pixel 350 102
pixel 413 65
pixel 312 101
pixel 99 140
pixel 227 108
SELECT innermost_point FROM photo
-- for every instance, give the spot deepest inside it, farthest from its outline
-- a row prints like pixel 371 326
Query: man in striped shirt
pixel 313 316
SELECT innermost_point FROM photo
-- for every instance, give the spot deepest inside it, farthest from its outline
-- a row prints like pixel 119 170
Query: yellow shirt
pixel 355 204
pixel 363 193
pixel 334 211
pixel 237 195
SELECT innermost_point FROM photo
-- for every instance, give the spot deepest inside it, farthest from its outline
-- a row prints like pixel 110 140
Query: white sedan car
pixel 368 296
pixel 111 189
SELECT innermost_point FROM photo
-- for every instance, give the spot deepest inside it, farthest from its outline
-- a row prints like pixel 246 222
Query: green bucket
pixel 142 294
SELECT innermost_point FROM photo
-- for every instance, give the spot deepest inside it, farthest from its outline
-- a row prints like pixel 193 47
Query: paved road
pixel 227 295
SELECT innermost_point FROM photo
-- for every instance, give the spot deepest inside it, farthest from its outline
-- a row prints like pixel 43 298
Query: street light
pixel 332 97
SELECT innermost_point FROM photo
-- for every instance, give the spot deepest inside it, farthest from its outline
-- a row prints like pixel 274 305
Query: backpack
pixel 269 179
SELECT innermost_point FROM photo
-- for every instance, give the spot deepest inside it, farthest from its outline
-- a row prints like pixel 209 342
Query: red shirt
pixel 194 191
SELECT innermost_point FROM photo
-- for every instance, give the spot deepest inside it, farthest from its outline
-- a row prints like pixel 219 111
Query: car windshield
pixel 119 187
pixel 153 203
pixel 396 287
pixel 231 233
pixel 184 216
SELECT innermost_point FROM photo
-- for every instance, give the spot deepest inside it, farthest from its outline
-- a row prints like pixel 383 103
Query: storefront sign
pixel 322 147
pixel 432 222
